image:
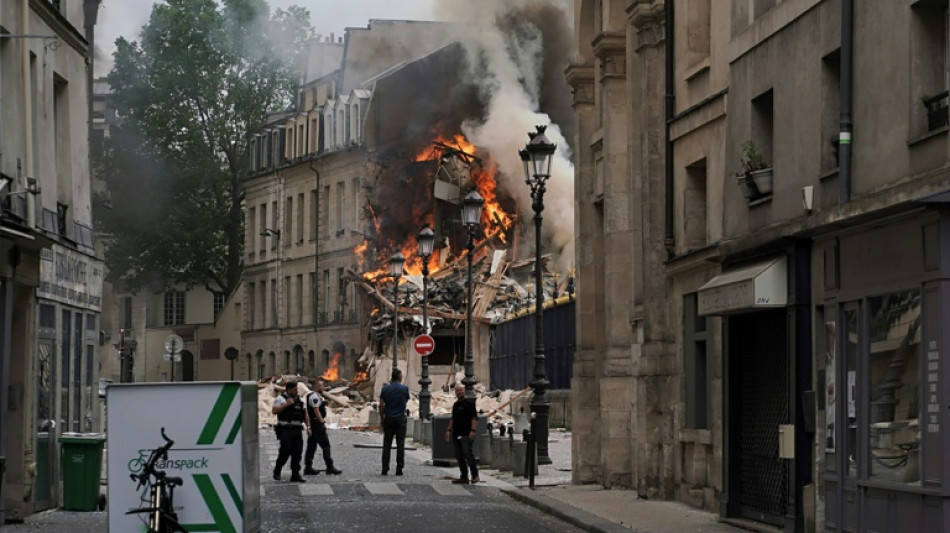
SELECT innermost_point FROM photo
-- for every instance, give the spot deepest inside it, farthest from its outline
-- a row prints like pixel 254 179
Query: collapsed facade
pixel 761 329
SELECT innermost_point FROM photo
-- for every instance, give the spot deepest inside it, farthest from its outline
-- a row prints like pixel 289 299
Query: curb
pixel 572 515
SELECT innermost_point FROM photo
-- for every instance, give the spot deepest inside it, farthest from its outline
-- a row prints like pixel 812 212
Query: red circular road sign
pixel 423 344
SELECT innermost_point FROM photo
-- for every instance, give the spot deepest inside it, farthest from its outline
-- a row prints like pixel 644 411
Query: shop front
pixel 882 316
pixel 764 303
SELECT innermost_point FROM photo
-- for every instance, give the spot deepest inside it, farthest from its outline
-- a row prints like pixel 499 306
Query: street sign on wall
pixel 423 344
pixel 214 426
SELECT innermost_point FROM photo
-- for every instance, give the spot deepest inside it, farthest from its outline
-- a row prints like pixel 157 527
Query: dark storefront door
pixel 759 391
pixel 45 423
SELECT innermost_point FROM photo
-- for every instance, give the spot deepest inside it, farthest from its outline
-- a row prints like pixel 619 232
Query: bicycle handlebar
pixel 157 454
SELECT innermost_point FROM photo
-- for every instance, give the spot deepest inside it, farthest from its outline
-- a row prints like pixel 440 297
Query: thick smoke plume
pixel 517 54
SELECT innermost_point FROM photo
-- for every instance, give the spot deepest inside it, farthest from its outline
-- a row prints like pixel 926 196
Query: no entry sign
pixel 423 344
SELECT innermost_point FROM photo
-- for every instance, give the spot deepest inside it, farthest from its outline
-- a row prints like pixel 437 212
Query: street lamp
pixel 426 241
pixel 471 217
pixel 536 157
pixel 396 263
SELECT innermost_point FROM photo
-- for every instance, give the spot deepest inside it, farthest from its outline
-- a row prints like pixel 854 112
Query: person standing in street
pixel 317 411
pixel 291 420
pixel 392 408
pixel 462 431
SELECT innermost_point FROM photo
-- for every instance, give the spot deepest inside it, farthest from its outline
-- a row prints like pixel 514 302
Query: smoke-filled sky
pixel 124 18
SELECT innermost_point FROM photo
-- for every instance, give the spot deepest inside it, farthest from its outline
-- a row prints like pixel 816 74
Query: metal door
pixel 759 360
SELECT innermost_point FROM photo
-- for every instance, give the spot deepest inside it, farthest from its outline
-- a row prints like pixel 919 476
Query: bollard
pixel 529 457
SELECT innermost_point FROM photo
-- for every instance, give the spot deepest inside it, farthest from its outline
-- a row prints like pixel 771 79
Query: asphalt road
pixel 422 500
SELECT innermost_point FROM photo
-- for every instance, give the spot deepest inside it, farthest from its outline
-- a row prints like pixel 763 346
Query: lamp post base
pixel 539 427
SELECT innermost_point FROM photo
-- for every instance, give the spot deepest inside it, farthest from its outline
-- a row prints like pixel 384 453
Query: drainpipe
pixel 844 138
pixel 90 10
pixel 27 112
pixel 668 236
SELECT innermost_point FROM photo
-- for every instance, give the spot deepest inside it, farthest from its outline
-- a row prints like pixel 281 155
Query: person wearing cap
pixel 291 420
pixel 317 411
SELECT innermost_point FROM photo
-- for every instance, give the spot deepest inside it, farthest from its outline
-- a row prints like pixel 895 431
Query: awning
pixel 758 286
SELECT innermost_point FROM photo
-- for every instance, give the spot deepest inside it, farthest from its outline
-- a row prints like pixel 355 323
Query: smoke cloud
pixel 518 54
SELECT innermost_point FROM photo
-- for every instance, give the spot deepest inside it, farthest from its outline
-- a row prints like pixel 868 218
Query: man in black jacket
pixel 462 432
pixel 317 410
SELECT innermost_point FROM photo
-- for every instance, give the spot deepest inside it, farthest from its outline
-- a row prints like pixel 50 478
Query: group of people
pixel 295 414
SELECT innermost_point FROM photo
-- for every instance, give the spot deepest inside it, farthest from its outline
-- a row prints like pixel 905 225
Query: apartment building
pixel 51 278
pixel 762 187
pixel 306 197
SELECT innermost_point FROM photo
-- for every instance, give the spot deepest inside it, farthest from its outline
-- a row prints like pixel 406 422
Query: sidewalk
pixel 595 509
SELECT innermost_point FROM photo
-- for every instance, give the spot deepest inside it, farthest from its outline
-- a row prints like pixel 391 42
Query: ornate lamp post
pixel 471 217
pixel 426 241
pixel 396 263
pixel 536 157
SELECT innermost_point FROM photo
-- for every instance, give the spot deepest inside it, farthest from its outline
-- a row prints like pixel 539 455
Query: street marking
pixel 384 488
pixel 448 489
pixel 316 489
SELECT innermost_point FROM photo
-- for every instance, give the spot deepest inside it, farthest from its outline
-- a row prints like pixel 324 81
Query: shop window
pixel 894 386
pixel 174 309
pixel 850 323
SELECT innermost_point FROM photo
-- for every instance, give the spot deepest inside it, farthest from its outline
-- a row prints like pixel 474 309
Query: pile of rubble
pixel 349 406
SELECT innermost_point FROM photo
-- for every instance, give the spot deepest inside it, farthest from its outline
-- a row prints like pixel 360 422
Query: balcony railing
pixel 937 110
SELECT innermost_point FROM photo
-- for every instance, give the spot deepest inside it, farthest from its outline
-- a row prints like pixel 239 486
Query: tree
pixel 204 76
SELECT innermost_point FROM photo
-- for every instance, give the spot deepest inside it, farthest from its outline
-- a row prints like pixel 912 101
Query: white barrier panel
pixel 214 426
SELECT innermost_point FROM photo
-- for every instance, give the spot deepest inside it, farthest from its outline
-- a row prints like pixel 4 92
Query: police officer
pixel 318 417
pixel 291 420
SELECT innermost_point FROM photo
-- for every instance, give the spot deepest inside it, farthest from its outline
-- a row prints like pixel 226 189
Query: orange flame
pixel 333 372
pixel 495 220
pixel 361 376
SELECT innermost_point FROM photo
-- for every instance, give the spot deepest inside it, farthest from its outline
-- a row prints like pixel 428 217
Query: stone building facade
pixel 50 275
pixel 770 343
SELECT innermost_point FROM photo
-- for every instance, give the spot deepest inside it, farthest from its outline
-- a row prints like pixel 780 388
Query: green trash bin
pixel 82 466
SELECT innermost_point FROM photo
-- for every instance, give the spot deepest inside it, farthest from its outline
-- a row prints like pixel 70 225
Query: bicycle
pixel 161 503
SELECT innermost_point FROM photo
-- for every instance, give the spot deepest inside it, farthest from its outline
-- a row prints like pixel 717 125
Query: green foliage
pixel 202 77
pixel 751 158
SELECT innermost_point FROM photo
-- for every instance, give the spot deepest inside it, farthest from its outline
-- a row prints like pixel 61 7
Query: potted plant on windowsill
pixel 756 178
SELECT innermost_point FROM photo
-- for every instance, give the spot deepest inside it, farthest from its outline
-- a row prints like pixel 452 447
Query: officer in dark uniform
pixel 318 422
pixel 291 420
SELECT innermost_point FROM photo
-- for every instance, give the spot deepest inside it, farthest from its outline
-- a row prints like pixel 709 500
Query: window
pixel 250 305
pixel 273 303
pixel 695 219
pixel 174 308
pixel 300 223
pixel 930 64
pixel 263 303
pixel 261 236
pixel 314 296
pixel 219 300
pixel 287 301
pixel 355 194
pixel 299 298
pixel 894 386
pixel 341 293
pixel 763 115
pixel 313 215
pixel 340 208
pixel 696 365
pixel 311 362
pixel 326 291
pixel 325 212
pixel 274 224
pixel 831 109
pixel 288 232
pixel 260 365
pixel 251 230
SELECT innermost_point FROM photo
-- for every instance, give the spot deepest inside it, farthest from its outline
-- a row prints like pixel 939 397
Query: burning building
pixel 377 147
